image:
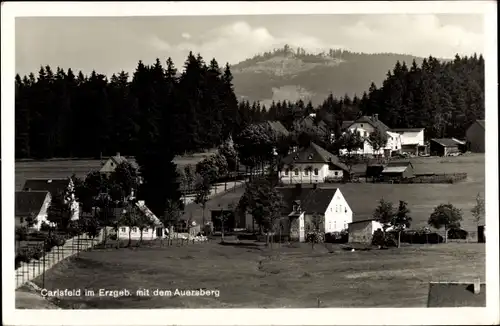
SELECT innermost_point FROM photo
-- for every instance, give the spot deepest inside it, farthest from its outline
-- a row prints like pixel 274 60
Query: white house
pixel 366 125
pixel 32 203
pixel 311 164
pixel 150 233
pixel 302 205
pixel 112 162
pixel 61 186
pixel 412 139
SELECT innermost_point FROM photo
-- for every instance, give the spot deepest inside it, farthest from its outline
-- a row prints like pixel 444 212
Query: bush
pixel 457 234
pixel 336 237
pixel 382 239
pixel 316 237
pixel 46 227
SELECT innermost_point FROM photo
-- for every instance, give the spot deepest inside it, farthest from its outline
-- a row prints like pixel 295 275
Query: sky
pixel 111 44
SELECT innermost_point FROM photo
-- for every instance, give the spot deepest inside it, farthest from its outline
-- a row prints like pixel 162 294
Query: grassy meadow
pixel 252 276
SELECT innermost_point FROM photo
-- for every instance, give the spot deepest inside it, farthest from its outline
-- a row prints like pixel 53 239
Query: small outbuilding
pixel 397 171
pixel 444 146
pixel 475 136
pixel 362 231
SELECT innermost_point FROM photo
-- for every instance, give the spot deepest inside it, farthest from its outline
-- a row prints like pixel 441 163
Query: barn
pixel 397 171
pixel 444 146
pixel 476 137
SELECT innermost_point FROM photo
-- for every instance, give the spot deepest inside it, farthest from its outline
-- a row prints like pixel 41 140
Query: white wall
pixel 303 175
pixel 147 234
pixel 42 215
pixel 338 214
pixel 364 129
pixel 109 166
pixel 410 138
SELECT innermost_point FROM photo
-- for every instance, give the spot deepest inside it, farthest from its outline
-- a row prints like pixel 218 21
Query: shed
pixel 398 171
pixel 374 171
pixel 444 146
pixel 362 231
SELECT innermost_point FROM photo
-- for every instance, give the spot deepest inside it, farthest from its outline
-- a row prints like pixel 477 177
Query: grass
pixel 422 198
pixel 64 168
pixel 257 277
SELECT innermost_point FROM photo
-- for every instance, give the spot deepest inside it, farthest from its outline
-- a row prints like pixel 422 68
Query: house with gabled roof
pixel 412 139
pixel 112 162
pixel 311 164
pixel 302 205
pixel 31 203
pixel 311 124
pixel 56 187
pixel 444 146
pixel 364 126
pixel 475 136
pixel 398 171
pixel 278 128
pixel 154 231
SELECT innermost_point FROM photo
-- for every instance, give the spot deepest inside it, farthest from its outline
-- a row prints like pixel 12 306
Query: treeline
pixel 63 114
pixel 445 98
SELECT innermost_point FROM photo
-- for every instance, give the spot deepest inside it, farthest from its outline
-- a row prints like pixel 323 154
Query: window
pixel 296 171
pixel 329 225
pixel 334 224
pixel 361 125
pixel 286 172
pixel 336 173
pixel 316 172
pixel 112 164
pixel 340 210
pixel 145 230
pixel 134 229
pixel 346 210
pixel 306 172
pixel 336 208
pixel 123 230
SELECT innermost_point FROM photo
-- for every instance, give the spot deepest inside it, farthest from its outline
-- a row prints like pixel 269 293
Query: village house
pixel 62 186
pixel 278 128
pixel 412 140
pixel 155 231
pixel 312 124
pixel 444 146
pixel 302 205
pixel 362 231
pixel 456 294
pixel 111 163
pixel 312 164
pixel 34 204
pixel 475 137
pixel 366 125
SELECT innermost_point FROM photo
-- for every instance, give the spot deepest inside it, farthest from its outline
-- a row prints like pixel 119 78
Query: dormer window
pixel 310 157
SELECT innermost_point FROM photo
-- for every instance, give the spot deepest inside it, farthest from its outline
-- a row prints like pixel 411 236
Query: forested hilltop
pixel 293 74
pixel 68 114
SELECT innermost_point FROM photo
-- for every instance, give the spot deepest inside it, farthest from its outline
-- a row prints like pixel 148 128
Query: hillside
pixel 294 74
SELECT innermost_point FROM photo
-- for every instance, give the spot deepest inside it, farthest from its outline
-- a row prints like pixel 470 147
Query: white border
pixel 389 316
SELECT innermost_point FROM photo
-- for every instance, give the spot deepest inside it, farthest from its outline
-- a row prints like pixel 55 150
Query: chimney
pixel 477 286
pixel 375 117
pixel 117 154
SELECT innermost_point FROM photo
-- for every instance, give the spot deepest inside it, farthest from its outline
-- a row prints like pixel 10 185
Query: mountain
pixel 293 74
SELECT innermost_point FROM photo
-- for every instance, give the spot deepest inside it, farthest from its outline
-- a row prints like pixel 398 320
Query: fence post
pixel 43 273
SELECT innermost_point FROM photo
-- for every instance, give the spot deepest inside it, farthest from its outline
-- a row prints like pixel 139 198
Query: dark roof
pixel 482 123
pixel 311 200
pixel 54 186
pixel 29 202
pixel 376 123
pixel 363 221
pixel 397 130
pixel 278 127
pixel 456 295
pixel 308 123
pixel 347 124
pixel 118 159
pixel 445 142
pixel 314 154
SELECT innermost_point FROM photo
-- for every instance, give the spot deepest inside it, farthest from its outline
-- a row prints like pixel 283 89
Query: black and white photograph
pixel 194 158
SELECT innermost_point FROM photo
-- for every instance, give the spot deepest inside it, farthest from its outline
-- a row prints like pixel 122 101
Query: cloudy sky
pixel 113 44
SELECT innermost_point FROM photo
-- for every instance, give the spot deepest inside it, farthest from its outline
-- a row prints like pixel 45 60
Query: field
pixel 251 276
pixel 421 198
pixel 362 197
pixel 62 168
